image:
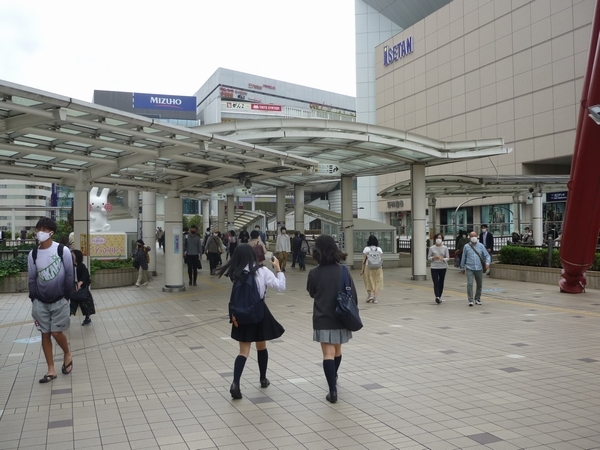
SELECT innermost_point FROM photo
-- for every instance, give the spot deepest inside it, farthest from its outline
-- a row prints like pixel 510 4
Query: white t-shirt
pixel 264 278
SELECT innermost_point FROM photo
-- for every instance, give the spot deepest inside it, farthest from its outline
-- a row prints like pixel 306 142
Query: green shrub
pixel 13 266
pixel 98 264
pixel 527 256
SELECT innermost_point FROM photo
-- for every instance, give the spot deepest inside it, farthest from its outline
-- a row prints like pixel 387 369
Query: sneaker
pixel 437 300
pixel 478 302
pixel 86 321
pixel 470 303
pixel 137 285
pixel 145 284
pixel 195 284
pixel 190 283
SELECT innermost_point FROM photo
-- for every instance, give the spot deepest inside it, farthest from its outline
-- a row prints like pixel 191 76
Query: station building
pixel 471 70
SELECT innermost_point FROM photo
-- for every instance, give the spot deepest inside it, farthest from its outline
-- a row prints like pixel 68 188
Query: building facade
pixel 477 69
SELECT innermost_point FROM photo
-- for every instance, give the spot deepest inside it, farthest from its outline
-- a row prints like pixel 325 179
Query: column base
pixel 174 288
pixel 419 278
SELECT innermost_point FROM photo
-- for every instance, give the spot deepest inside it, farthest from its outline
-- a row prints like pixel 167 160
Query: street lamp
pixel 458 207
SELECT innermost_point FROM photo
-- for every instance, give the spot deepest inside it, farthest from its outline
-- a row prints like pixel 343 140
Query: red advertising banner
pixel 263 107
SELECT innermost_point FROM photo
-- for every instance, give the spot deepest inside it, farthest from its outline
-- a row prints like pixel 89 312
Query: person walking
pixel 241 265
pixel 262 235
pixel 461 241
pixel 141 258
pixel 323 284
pixel 213 250
pixel 438 255
pixel 50 277
pixel 82 283
pixel 282 247
pixel 258 246
pixel 372 268
pixel 475 259
pixel 304 249
pixel 244 235
pixel 232 242
pixel 192 251
pixel 295 243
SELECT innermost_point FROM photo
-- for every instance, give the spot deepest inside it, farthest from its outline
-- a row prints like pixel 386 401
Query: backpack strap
pixel 60 251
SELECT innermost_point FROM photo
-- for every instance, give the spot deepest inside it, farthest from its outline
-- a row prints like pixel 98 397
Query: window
pixel 3 196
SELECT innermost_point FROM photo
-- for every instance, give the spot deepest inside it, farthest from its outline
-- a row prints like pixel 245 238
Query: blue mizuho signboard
pixel 164 102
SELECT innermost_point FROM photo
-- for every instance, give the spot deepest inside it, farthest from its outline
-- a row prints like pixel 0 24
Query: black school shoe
pixel 235 391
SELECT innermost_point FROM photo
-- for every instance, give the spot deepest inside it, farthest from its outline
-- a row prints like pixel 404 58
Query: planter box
pixel 14 283
pixel 108 278
pixel 544 275
pixel 104 278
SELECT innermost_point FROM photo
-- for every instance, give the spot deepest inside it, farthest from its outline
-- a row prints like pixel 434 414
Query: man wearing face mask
pixel 192 249
pixel 475 259
pixel 50 280
pixel 213 251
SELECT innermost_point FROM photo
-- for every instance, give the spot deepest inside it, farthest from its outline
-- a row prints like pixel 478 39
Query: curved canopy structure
pixel 465 185
pixel 60 140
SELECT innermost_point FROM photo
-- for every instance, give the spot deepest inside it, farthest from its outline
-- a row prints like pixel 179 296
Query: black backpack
pixel 245 304
pixel 61 247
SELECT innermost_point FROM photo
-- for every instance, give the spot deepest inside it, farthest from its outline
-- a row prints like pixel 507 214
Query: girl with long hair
pixel 242 264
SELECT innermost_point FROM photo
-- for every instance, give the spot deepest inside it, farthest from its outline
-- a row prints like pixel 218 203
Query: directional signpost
pixel 327 169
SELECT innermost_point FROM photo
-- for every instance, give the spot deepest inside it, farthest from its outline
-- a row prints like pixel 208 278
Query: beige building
pixel 485 69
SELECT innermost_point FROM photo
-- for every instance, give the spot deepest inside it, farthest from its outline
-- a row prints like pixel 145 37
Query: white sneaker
pixel 145 284
pixel 478 302
pixel 137 285
pixel 470 303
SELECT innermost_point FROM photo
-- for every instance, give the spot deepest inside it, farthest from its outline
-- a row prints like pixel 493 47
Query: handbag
pixel 347 309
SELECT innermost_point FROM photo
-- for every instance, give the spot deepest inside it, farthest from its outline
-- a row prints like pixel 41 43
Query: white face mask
pixel 438 241
pixel 484 230
pixel 43 236
pixel 474 240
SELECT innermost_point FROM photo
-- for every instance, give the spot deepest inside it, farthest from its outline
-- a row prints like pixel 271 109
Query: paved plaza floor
pixel 153 370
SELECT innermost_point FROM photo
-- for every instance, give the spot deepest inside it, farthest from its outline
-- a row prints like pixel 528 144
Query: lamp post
pixel 458 207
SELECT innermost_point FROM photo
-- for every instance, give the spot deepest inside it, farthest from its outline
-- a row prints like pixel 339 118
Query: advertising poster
pixel 107 245
pixel 177 240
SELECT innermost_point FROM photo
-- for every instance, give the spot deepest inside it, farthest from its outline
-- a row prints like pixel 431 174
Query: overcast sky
pixel 172 47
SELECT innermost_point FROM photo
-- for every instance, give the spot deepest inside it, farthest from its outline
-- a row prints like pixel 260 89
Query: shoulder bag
pixel 347 309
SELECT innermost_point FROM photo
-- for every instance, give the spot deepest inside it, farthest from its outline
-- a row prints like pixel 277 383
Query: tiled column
pixel 221 216
pixel 538 234
pixel 280 194
pixel 299 208
pixel 205 214
pixel 230 213
pixel 81 221
pixel 347 219
pixel 173 243
pixel 418 201
pixel 149 226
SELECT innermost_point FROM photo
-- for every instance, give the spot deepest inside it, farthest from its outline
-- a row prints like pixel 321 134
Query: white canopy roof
pixel 52 138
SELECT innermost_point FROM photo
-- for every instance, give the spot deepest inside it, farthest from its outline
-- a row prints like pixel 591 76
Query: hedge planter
pixel 102 278
pixel 109 278
pixel 544 275
pixel 14 283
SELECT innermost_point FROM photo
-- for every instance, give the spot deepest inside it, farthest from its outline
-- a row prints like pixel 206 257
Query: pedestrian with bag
pixel 304 249
pixel 50 280
pixel 323 285
pixel 475 259
pixel 232 243
pixel 214 248
pixel 248 313
pixel 192 251
pixel 438 255
pixel 282 247
pixel 258 246
pixel 81 297
pixel 372 268
pixel 141 258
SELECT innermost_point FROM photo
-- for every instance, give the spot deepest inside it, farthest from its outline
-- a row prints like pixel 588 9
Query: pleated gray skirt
pixel 332 336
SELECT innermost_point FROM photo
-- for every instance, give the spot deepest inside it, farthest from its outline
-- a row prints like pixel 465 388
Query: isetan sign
pixel 398 51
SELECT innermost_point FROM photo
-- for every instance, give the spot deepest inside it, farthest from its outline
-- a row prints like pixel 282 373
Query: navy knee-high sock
pixel 263 360
pixel 329 369
pixel 338 361
pixel 238 368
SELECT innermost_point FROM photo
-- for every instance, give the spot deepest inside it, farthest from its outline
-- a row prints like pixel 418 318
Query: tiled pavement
pixel 153 371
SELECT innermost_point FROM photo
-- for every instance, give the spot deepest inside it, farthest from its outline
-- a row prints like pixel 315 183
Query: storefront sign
pixel 164 102
pixel 108 245
pixel 236 105
pixel 262 107
pixel 396 204
pixel 556 196
pixel 326 169
pixel 398 51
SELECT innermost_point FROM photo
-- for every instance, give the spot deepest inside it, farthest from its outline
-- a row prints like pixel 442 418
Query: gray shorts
pixel 52 317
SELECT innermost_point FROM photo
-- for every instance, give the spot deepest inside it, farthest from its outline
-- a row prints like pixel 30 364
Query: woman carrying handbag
pixel 328 329
pixel 81 296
